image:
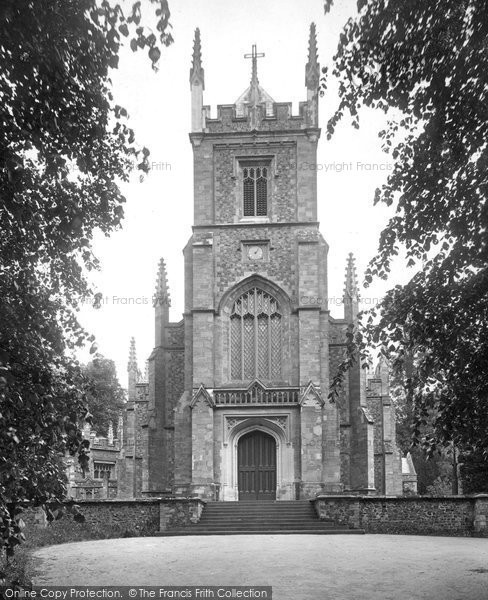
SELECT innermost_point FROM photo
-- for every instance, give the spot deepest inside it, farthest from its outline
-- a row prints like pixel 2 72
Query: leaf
pixel 328 5
pixel 154 54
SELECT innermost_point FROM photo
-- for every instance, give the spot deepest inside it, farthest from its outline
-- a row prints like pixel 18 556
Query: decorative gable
pixel 311 396
pixel 202 395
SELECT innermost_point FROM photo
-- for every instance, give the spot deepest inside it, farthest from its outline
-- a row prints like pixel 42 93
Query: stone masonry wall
pixel 116 518
pixel 179 513
pixel 282 178
pixel 231 267
pixel 450 515
pixel 432 516
pixel 137 516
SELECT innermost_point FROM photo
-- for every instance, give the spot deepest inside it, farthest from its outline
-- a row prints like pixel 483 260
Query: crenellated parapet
pixel 254 110
pixel 234 118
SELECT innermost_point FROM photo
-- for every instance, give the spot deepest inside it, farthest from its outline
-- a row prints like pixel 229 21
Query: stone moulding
pixel 280 420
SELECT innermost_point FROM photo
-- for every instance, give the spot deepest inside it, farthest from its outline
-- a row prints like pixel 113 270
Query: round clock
pixel 255 252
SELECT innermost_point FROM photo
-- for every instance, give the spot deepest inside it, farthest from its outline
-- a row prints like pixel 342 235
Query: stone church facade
pixel 236 403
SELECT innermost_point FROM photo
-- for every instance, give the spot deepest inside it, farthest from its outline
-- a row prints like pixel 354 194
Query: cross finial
pixel 254 56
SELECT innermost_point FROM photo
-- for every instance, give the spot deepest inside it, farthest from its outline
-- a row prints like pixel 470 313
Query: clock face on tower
pixel 255 252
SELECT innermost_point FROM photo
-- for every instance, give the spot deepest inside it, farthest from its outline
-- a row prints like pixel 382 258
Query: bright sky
pixel 159 210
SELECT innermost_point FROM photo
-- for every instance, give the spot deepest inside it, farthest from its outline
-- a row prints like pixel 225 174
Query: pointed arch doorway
pixel 256 464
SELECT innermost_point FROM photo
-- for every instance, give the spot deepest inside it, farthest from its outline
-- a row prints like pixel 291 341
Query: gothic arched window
pixel 255 337
pixel 255 191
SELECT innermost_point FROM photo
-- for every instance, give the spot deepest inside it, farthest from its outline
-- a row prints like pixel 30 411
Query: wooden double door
pixel 256 463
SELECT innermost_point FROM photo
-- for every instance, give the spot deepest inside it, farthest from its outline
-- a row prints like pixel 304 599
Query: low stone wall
pixel 118 515
pixel 414 515
pixel 118 518
pixel 149 516
pixel 179 512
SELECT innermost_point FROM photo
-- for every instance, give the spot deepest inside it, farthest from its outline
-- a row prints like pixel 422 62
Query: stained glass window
pixel 255 337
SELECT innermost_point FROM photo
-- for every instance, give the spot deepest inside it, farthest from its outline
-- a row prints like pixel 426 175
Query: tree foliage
pixel 434 470
pixel 474 472
pixel 64 143
pixel 425 64
pixel 104 395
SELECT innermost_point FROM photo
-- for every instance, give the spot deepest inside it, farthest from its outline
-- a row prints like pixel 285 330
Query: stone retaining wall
pixel 179 513
pixel 139 516
pixel 131 517
pixel 150 516
pixel 414 515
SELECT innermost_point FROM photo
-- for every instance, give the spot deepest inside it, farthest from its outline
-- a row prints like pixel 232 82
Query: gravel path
pixel 363 567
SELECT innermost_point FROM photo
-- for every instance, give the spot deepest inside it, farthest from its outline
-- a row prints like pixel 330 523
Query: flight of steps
pixel 263 517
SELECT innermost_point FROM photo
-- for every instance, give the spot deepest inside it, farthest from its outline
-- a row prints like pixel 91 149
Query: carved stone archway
pixel 238 426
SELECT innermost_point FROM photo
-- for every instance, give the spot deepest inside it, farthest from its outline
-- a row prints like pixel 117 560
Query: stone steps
pixel 268 517
pixel 192 531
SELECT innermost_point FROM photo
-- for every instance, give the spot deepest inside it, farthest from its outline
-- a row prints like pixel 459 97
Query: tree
pixel 425 64
pixel 434 471
pixel 474 472
pixel 105 397
pixel 64 144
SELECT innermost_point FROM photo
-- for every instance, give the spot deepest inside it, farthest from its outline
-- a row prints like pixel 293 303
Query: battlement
pixel 265 117
pixel 254 109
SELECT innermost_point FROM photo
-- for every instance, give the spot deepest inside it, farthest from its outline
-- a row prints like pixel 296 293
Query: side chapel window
pixel 255 337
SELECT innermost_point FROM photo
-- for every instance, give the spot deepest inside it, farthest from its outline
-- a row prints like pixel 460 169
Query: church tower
pixel 238 404
pixel 254 420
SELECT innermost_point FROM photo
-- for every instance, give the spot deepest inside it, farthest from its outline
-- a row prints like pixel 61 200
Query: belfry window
pixel 255 191
pixel 255 337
